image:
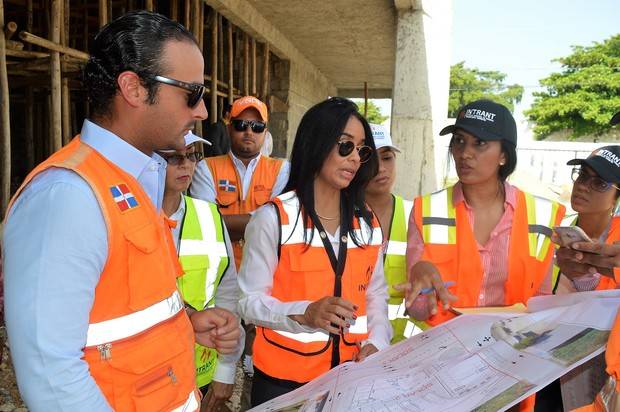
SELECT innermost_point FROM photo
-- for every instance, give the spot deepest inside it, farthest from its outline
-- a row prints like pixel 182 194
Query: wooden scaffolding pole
pixel 66 95
pixel 29 130
pixel 174 10
pixel 56 106
pixel 103 13
pixel 5 148
pixel 214 64
pixel 187 16
pixel 54 46
pixel 197 28
pixel 265 79
pixel 246 64
pixel 148 4
pixel 230 63
pixel 253 66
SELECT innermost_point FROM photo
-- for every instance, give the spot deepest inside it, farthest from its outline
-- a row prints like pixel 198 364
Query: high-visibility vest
pixel 139 344
pixel 395 269
pixel 305 273
pixel 449 243
pixel 613 235
pixel 229 188
pixel 204 259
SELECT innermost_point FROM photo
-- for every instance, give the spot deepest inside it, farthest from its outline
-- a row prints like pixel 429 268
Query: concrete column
pixel 420 92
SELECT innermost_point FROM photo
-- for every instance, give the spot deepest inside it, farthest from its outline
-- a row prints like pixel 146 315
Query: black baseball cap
pixel 605 161
pixel 615 119
pixel 486 120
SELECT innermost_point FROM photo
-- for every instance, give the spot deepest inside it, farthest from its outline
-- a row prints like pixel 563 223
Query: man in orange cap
pixel 242 180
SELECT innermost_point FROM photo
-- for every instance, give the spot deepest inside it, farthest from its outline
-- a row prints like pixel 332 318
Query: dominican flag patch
pixel 123 197
pixel 226 185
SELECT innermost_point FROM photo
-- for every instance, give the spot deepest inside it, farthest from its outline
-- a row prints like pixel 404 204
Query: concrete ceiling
pixel 349 41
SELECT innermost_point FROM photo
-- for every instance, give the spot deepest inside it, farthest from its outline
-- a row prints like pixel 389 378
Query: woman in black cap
pixel 594 197
pixel 481 242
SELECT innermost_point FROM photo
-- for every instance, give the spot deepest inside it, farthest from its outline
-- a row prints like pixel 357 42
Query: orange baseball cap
pixel 247 102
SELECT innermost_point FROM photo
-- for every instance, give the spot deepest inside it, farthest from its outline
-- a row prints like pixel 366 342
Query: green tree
pixel 374 114
pixel 467 85
pixel 583 96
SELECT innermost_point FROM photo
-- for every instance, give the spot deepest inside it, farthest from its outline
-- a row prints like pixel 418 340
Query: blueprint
pixel 479 362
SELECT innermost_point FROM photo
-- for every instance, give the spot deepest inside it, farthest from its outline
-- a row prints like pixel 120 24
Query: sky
pixel 521 37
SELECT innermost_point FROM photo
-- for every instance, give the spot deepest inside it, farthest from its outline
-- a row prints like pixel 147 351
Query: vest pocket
pixel 262 196
pixel 312 276
pixel 149 372
pixel 150 271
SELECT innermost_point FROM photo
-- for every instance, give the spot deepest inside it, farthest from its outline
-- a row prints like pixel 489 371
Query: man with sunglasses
pixel 94 317
pixel 242 180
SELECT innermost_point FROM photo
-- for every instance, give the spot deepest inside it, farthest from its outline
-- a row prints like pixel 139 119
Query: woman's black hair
pixel 510 153
pixel 318 132
pixel 133 42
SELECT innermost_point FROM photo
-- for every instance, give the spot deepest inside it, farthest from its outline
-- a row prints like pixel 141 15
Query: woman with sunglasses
pixel 594 197
pixel 210 277
pixel 481 242
pixel 311 277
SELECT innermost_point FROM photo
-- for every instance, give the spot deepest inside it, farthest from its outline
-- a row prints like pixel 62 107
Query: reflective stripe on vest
pixel 134 323
pixel 438 218
pixel 360 325
pixel 202 246
pixel 190 405
pixel 439 223
pixel 397 243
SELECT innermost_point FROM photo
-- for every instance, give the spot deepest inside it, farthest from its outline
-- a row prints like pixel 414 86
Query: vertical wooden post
pixel 230 63
pixel 253 66
pixel 148 4
pixel 214 64
pixel 186 17
pixel 265 80
pixel 56 107
pixel 29 130
pixel 103 13
pixel 365 99
pixel 220 46
pixel 5 147
pixel 197 28
pixel 174 10
pixel 246 64
pixel 66 95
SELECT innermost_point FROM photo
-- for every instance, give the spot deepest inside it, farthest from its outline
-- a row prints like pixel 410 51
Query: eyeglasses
pixel 196 91
pixel 177 159
pixel 242 125
pixel 594 182
pixel 346 147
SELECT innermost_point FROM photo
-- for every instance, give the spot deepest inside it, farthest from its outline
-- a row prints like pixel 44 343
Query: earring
pixel 501 163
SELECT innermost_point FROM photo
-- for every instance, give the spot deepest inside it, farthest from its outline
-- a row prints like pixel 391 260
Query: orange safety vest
pixel 607 282
pixel 449 243
pixel 230 191
pixel 306 272
pixel 140 342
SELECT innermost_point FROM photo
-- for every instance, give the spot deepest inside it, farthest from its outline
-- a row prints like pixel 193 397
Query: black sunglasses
pixel 242 125
pixel 177 159
pixel 346 147
pixel 196 91
pixel 595 183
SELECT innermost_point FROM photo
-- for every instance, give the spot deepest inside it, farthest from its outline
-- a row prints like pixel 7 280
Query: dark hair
pixel 510 153
pixel 226 107
pixel 133 42
pixel 317 134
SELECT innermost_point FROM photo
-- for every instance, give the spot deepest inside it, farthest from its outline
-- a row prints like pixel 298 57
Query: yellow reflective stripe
pixel 437 210
pixel 190 405
pixel 531 219
pixel 426 211
pixel 125 326
pixel 542 253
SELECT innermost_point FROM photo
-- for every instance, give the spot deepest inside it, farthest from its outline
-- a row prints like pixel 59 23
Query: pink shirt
pixel 494 254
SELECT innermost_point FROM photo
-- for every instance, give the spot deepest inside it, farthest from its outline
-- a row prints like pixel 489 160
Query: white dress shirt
pixel 226 297
pixel 259 263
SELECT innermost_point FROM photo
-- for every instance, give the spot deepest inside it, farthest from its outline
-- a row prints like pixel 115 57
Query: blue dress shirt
pixel 55 248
